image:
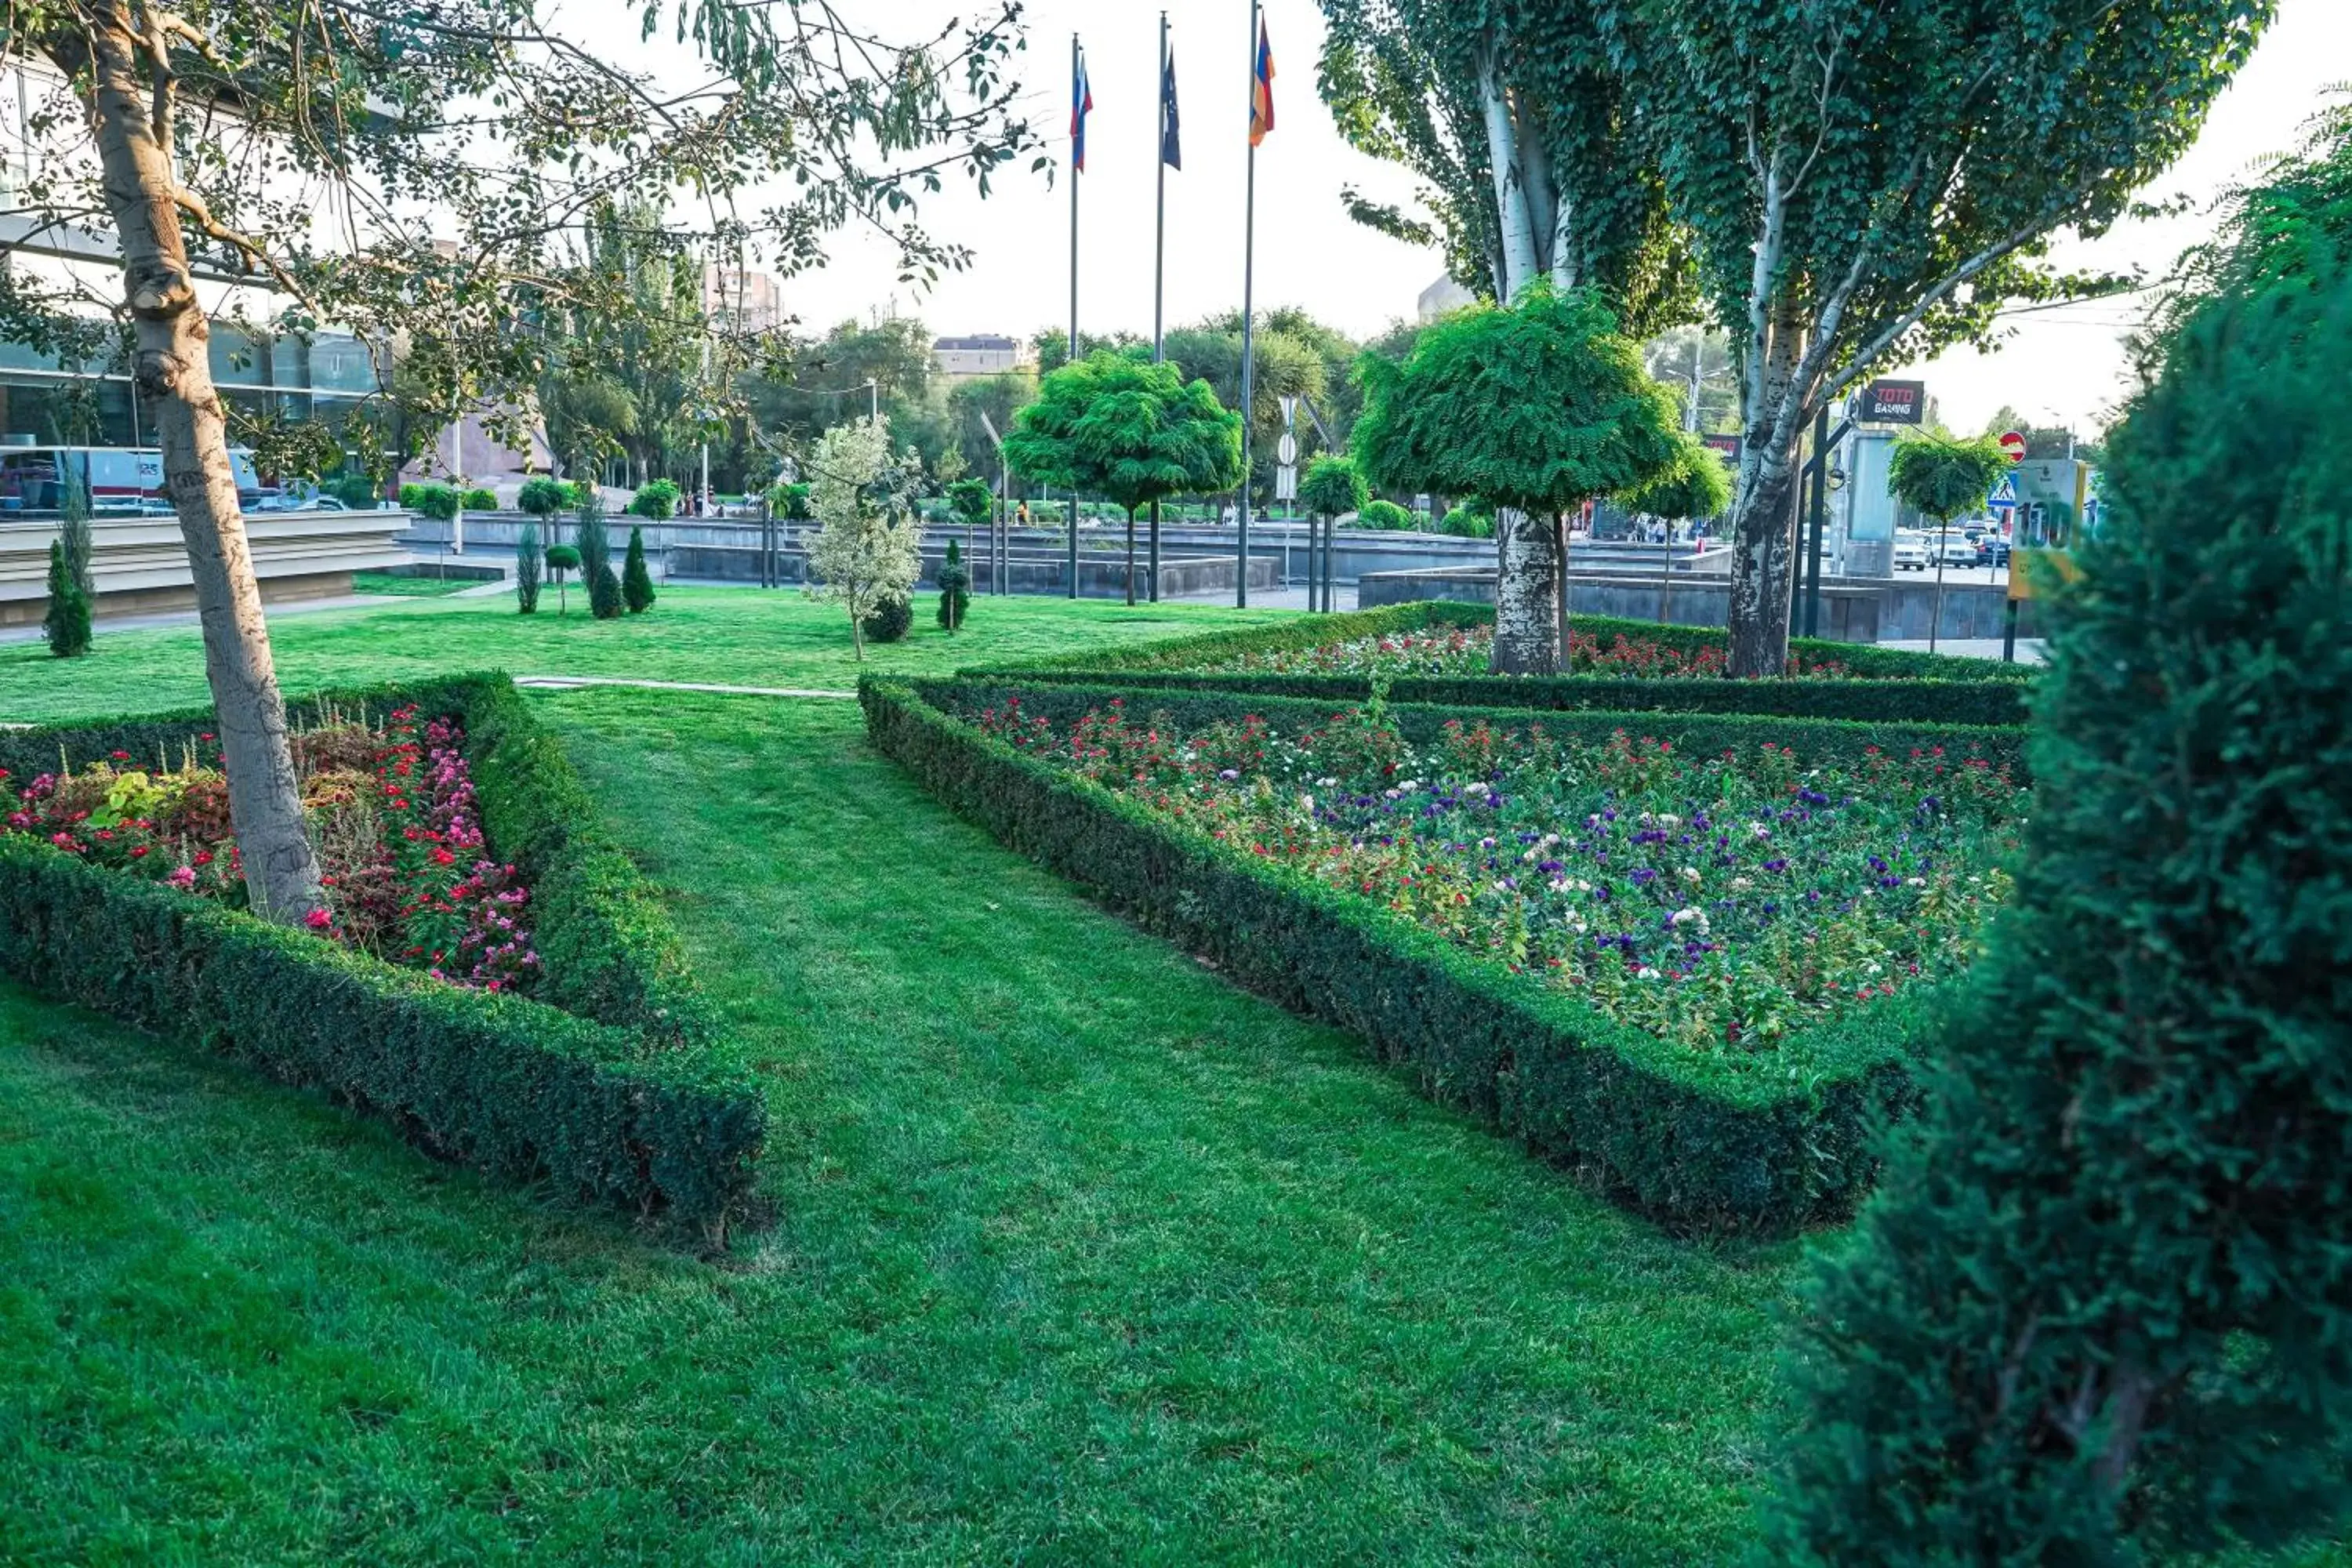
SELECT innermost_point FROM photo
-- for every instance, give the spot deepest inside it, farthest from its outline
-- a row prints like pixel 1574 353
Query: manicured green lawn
pixel 1080 1256
pixel 1077 1255
pixel 406 587
pixel 726 635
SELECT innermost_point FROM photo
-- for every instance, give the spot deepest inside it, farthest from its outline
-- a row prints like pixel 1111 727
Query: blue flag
pixel 1171 150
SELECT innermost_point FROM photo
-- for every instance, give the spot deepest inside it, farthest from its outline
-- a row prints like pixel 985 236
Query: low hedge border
pixel 615 1088
pixel 610 952
pixel 1843 740
pixel 1867 661
pixel 1693 1141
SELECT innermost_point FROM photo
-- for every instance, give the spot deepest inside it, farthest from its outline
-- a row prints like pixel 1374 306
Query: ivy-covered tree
pixel 1865 183
pixel 461 148
pixel 2100 1308
pixel 1132 432
pixel 1943 476
pixel 1524 132
pixel 1538 409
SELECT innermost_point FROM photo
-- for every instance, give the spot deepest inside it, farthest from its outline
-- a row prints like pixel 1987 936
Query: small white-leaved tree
pixel 867 548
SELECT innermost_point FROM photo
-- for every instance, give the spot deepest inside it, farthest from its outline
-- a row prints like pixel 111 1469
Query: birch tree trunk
pixel 1527 594
pixel 174 374
pixel 1764 517
pixel 1516 222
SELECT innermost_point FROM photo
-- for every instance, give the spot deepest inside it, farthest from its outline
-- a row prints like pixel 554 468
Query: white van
pixel 120 481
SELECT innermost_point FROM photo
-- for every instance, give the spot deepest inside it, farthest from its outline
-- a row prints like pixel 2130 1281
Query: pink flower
pixel 318 919
pixel 184 878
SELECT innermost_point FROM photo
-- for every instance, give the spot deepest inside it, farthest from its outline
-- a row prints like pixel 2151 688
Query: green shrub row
pixel 1980 702
pixel 1815 739
pixel 1697 1140
pixel 514 1088
pixel 1190 654
pixel 613 1084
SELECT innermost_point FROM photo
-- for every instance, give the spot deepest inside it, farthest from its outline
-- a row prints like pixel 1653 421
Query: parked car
pixel 1992 550
pixel 1910 551
pixel 1950 548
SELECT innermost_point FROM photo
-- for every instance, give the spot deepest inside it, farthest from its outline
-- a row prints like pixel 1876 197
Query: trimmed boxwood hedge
pixel 615 1087
pixel 1887 683
pixel 1866 661
pixel 1706 1143
pixel 1815 739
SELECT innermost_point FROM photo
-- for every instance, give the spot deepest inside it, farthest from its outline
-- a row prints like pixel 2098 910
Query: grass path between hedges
pixel 1080 1256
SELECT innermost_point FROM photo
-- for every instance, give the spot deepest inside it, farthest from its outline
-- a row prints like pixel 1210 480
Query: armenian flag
pixel 1082 103
pixel 1262 90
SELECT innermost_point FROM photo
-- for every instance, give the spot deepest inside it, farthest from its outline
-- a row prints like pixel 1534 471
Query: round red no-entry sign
pixel 2013 443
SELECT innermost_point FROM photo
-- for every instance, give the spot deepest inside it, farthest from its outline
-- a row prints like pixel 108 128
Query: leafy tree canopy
pixel 1539 407
pixel 1128 430
pixel 1945 477
pixel 1693 488
pixel 1332 487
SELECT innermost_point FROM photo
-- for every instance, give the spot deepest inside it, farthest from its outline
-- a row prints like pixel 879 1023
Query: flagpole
pixel 1160 281
pixel 1249 335
pixel 1077 131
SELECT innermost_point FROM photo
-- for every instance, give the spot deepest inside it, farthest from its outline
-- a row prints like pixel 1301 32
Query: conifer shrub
pixel 528 560
pixel 955 588
pixel 596 574
pixel 636 582
pixel 890 621
pixel 67 625
pixel 2100 1309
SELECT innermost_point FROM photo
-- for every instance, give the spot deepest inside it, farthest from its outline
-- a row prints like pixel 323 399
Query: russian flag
pixel 1082 103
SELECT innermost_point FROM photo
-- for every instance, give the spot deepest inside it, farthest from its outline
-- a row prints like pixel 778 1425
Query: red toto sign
pixel 2013 445
pixel 1894 403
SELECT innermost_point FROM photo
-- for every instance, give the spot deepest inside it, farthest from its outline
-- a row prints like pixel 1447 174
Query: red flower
pixel 318 919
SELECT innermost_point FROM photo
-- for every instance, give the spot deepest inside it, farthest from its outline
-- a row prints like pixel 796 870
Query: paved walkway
pixel 579 682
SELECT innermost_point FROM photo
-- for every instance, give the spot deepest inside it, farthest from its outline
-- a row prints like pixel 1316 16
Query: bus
pixel 121 481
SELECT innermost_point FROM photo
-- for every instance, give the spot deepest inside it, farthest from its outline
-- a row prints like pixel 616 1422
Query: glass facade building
pixel 325 377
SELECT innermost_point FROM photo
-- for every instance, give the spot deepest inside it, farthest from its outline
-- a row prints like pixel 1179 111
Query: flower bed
pixel 1741 1096
pixel 528 1013
pixel 1722 902
pixel 406 874
pixel 1457 650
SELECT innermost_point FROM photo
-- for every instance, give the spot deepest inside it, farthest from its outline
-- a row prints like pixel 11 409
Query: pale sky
pixel 2059 366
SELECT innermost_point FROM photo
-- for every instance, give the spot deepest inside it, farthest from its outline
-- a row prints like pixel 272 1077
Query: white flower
pixel 1475 791
pixel 1759 831
pixel 1305 803
pixel 1741 884
pixel 1548 840
pixel 1914 882
pixel 1583 886
pixel 1690 873
pixel 1645 973
pixel 1669 819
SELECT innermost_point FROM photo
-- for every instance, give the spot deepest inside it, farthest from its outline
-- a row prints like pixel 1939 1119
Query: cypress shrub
pixel 955 588
pixel 67 625
pixel 636 582
pixel 527 561
pixel 595 545
pixel 2102 1307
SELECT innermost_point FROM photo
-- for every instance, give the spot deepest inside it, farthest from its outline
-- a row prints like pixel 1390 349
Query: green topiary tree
pixel 971 501
pixel 1537 408
pixel 527 564
pixel 657 498
pixel 480 499
pixel 636 582
pixel 888 621
pixel 596 574
pixel 439 502
pixel 1944 477
pixel 2101 1307
pixel 1471 520
pixel 67 623
pixel 543 497
pixel 561 559
pixel 1694 489
pixel 1131 431
pixel 1332 487
pixel 361 492
pixel 955 589
pixel 1384 514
